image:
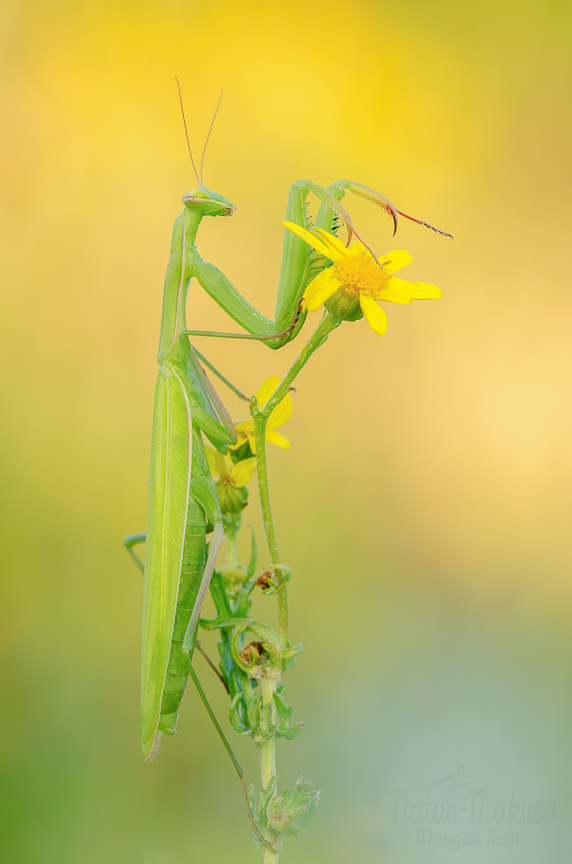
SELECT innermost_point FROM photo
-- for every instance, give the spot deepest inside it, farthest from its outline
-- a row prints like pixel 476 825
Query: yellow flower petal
pixel 264 393
pixel 280 414
pixel 210 454
pixel 375 316
pixel 317 282
pixel 242 472
pixel 333 242
pixel 277 438
pixel 217 463
pixel 245 428
pixel 356 247
pixel 394 261
pixel 310 239
pixel 397 291
pixel 326 288
pixel 400 291
pixel 244 432
pixel 426 291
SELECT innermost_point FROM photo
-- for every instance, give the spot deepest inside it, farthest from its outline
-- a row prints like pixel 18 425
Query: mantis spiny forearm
pixel 299 263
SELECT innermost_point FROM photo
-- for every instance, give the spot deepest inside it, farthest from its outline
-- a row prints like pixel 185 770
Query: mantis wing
pixel 171 451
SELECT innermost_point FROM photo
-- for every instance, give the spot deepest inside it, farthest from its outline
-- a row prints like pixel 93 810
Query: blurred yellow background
pixel 424 506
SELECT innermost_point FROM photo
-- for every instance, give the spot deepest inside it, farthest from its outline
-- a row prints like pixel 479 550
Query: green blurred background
pixel 424 506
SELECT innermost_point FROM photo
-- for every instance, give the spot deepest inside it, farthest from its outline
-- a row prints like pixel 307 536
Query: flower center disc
pixel 359 274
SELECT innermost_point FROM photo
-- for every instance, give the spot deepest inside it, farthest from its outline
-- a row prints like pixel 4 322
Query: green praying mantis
pixel 183 503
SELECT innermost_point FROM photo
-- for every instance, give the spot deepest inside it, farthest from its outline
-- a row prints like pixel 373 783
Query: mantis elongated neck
pixel 177 281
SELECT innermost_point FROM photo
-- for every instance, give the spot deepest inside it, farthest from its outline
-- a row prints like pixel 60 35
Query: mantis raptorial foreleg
pixel 300 264
pixel 234 760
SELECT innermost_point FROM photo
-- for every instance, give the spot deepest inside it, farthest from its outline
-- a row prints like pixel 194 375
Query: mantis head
pixel 202 201
pixel 208 203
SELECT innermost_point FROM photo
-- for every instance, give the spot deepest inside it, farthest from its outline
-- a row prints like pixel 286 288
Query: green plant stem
pixel 260 422
pixel 267 760
pixel 260 417
pixel 318 337
pixel 267 751
pixel 231 550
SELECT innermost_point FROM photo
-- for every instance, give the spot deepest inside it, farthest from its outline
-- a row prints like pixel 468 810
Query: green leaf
pixel 289 813
pixel 284 712
pixel 289 656
pixel 237 716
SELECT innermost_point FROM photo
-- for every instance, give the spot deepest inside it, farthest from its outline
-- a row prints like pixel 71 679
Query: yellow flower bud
pixel 344 305
pixel 232 499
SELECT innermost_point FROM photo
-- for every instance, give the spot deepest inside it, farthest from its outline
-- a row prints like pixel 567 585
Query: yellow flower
pixel 232 497
pixel 358 280
pixel 278 416
pixel 237 475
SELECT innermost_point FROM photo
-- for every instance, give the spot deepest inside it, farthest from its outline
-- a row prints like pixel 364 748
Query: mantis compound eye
pixel 210 203
pixel 196 196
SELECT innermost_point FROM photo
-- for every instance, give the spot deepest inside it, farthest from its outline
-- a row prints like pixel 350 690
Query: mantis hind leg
pixel 230 751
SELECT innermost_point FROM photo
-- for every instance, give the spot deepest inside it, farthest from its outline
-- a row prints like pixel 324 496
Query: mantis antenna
pixel 209 134
pixel 187 134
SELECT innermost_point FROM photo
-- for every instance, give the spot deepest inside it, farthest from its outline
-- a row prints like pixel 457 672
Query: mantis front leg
pixel 300 263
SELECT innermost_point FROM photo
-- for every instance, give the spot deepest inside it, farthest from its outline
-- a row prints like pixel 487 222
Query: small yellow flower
pixel 237 475
pixel 278 416
pixel 232 496
pixel 358 280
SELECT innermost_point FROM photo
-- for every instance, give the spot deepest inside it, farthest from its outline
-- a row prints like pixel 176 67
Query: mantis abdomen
pixel 194 559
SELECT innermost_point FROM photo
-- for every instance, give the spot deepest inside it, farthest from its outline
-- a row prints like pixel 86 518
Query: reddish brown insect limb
pixel 374 198
pixel 372 253
pixel 425 224
pixel 289 329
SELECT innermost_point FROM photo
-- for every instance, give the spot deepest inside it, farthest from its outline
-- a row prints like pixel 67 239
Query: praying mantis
pixel 183 501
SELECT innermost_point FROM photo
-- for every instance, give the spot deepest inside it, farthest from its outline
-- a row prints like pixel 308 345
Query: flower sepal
pixel 243 451
pixel 233 499
pixel 344 305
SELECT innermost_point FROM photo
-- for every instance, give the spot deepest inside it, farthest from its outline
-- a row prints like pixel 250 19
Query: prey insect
pixel 183 502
